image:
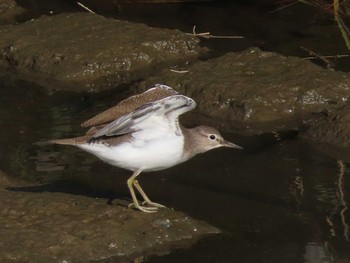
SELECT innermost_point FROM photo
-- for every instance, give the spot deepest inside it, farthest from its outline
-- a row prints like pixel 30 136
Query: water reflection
pixel 340 210
pixel 317 253
pixel 341 189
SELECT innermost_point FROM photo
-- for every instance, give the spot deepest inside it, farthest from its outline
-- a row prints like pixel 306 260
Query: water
pixel 279 200
pixel 285 203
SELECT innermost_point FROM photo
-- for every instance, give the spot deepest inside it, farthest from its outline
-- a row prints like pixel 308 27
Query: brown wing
pixel 130 104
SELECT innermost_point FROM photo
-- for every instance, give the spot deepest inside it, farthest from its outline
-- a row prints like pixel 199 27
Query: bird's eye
pixel 212 137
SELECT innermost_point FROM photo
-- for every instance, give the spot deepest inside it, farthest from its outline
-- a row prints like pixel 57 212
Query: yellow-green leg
pixel 144 196
pixel 135 203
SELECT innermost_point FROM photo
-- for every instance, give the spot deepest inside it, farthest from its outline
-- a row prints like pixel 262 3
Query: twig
pixel 179 71
pixel 208 35
pixel 330 56
pixel 86 8
pixel 325 60
pixel 283 7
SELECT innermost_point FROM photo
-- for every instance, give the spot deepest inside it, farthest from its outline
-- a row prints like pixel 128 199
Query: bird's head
pixel 208 138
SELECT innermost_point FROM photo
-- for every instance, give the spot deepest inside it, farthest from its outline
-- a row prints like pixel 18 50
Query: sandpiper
pixel 142 133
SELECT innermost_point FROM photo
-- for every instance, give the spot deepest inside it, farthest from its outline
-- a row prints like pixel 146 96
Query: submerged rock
pixel 259 91
pixel 83 51
pixel 39 226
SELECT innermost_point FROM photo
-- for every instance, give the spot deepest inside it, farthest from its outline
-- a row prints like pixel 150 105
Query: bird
pixel 142 133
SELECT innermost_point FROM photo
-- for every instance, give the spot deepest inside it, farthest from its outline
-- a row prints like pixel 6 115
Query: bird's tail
pixel 71 141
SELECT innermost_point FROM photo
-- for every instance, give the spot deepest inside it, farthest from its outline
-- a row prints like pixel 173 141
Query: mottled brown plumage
pixel 124 107
pixel 128 105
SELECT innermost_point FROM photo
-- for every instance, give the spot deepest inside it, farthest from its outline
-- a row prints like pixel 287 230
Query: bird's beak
pixel 231 145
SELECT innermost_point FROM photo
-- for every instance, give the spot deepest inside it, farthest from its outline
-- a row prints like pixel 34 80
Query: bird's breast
pixel 148 155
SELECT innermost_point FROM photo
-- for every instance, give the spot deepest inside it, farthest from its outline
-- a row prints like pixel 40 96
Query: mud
pixel 88 52
pixel 42 226
pixel 331 133
pixel 10 12
pixel 253 91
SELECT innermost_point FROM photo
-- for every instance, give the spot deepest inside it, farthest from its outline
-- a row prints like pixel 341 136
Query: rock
pixel 333 129
pixel 83 51
pixel 255 91
pixel 331 134
pixel 9 10
pixel 4 179
pixel 58 227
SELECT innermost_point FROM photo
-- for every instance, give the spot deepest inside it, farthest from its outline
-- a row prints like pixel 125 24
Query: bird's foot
pixel 143 208
pixel 153 204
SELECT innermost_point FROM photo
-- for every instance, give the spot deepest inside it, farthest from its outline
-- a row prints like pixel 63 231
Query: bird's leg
pixel 134 199
pixel 144 196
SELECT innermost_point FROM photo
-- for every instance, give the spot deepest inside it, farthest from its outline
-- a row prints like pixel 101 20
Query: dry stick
pixel 309 3
pixel 179 71
pixel 283 7
pixel 342 27
pixel 208 35
pixel 329 56
pixel 86 8
pixel 325 60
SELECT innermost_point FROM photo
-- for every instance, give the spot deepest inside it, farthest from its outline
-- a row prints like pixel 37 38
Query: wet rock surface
pixel 83 51
pixel 9 11
pixel 60 227
pixel 259 91
pixel 332 133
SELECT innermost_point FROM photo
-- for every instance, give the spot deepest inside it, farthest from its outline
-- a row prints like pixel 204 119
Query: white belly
pixel 150 155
